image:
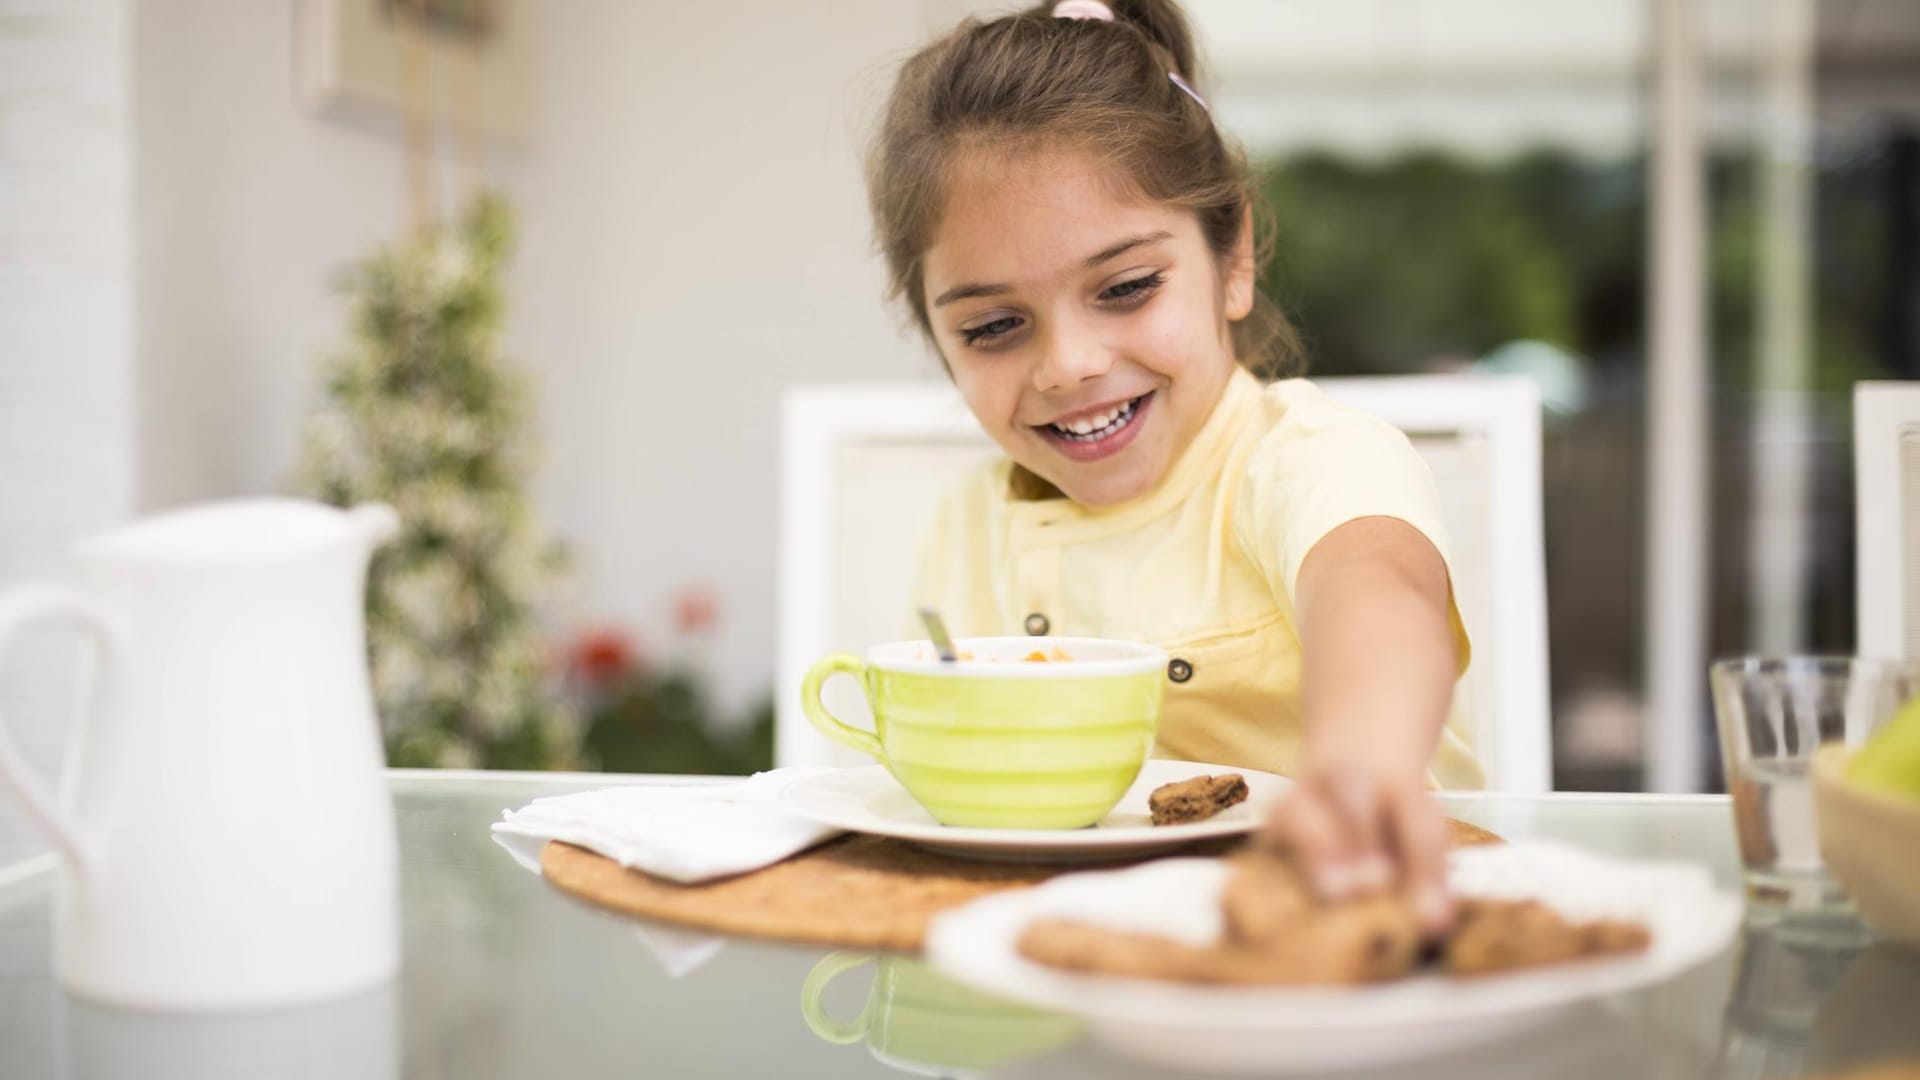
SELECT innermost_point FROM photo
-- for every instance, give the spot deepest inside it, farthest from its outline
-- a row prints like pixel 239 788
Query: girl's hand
pixel 1378 662
pixel 1358 828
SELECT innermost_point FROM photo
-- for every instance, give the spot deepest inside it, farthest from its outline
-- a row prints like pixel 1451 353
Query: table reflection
pixel 1811 1003
pixel 355 1037
pixel 919 1021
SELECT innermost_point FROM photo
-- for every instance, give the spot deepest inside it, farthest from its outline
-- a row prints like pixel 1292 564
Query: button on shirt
pixel 1203 565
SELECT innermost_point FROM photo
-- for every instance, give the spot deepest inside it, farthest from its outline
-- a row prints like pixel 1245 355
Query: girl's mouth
pixel 1090 438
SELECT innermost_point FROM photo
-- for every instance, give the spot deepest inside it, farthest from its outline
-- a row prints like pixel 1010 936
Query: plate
pixel 1303 1028
pixel 867 799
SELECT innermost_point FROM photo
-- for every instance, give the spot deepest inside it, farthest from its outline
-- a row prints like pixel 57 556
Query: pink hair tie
pixel 1082 9
pixel 1094 9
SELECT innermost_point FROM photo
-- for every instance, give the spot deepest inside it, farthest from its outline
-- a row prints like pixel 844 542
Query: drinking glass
pixel 1773 714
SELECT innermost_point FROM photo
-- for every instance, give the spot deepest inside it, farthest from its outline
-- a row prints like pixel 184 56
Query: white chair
pixel 1886 461
pixel 862 466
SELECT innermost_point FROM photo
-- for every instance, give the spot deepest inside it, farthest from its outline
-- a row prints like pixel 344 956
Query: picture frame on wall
pixel 466 63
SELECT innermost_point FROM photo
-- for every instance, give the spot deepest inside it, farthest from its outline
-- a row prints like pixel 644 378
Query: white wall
pixel 694 236
pixel 66 449
pixel 246 207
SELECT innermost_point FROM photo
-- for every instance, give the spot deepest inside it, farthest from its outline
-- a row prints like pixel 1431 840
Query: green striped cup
pixel 999 741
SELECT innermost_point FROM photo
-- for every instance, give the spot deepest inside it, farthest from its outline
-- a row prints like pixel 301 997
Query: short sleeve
pixel 1321 465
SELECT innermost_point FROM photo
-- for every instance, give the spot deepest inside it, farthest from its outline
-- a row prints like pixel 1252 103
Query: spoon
pixel 937 630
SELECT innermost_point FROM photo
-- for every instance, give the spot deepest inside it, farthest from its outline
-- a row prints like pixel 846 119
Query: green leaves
pixel 422 412
pixel 1388 265
pixel 660 722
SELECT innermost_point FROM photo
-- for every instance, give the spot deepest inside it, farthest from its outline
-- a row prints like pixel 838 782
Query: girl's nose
pixel 1070 359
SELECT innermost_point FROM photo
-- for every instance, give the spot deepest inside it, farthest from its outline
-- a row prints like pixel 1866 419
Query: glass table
pixel 504 977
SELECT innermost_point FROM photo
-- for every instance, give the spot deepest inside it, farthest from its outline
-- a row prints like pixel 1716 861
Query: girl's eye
pixel 988 332
pixel 1135 290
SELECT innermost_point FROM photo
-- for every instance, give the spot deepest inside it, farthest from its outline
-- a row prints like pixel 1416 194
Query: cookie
pixel 1196 799
pixel 1267 905
pixel 1508 935
pixel 1276 934
pixel 1097 950
pixel 1276 931
pixel 1464 834
pixel 1264 898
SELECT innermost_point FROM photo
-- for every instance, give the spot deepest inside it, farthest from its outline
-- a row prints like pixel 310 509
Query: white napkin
pixel 679 952
pixel 685 833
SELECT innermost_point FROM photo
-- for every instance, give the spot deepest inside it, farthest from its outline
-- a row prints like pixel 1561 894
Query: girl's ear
pixel 1240 271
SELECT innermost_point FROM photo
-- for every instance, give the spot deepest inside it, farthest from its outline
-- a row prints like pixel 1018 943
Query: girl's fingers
pixel 1306 822
pixel 1358 798
pixel 1420 836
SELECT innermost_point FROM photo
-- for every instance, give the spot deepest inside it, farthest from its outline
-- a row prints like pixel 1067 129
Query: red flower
pixel 602 656
pixel 695 610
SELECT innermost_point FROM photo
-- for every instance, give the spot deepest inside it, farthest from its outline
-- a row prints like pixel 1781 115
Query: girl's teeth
pixel 1086 427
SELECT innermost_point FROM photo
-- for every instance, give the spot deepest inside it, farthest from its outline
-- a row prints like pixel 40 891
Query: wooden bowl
pixel 1870 840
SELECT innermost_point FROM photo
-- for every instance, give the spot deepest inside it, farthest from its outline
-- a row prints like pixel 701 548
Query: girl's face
pixel 1088 332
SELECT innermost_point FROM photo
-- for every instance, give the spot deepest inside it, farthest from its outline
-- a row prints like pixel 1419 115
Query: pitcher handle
pixel 814 1011
pixel 816 709
pixel 19 609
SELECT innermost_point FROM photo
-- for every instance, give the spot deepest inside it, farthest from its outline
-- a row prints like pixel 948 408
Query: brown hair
pixel 1030 78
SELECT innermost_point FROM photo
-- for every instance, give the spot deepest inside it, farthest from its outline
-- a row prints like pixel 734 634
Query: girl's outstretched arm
pixel 1378 668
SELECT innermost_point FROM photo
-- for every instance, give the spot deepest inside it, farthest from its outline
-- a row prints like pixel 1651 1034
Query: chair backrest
pixel 1886 459
pixel 863 465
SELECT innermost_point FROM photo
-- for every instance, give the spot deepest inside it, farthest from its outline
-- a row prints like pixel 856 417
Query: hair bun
pixel 1165 25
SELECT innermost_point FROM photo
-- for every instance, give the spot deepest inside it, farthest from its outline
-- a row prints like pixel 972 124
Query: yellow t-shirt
pixel 1203 565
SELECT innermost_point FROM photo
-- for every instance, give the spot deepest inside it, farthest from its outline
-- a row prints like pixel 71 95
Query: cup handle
pixel 824 1025
pixel 823 721
pixel 19 609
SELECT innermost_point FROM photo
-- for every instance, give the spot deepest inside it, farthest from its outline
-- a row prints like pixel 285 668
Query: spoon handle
pixel 937 630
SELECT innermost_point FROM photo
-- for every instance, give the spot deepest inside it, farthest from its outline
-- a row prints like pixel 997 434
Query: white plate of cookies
pixel 1228 964
pixel 1212 801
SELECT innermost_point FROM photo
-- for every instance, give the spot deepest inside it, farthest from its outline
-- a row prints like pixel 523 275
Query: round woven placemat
pixel 859 892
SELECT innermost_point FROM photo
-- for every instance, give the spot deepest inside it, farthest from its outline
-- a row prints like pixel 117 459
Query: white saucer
pixel 868 799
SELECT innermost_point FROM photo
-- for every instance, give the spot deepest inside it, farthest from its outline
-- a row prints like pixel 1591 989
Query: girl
pixel 1074 235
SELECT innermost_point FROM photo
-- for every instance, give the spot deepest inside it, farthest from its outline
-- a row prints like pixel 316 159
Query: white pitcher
pixel 226 832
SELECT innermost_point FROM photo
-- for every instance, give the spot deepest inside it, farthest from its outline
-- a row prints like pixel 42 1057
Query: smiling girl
pixel 1074 235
